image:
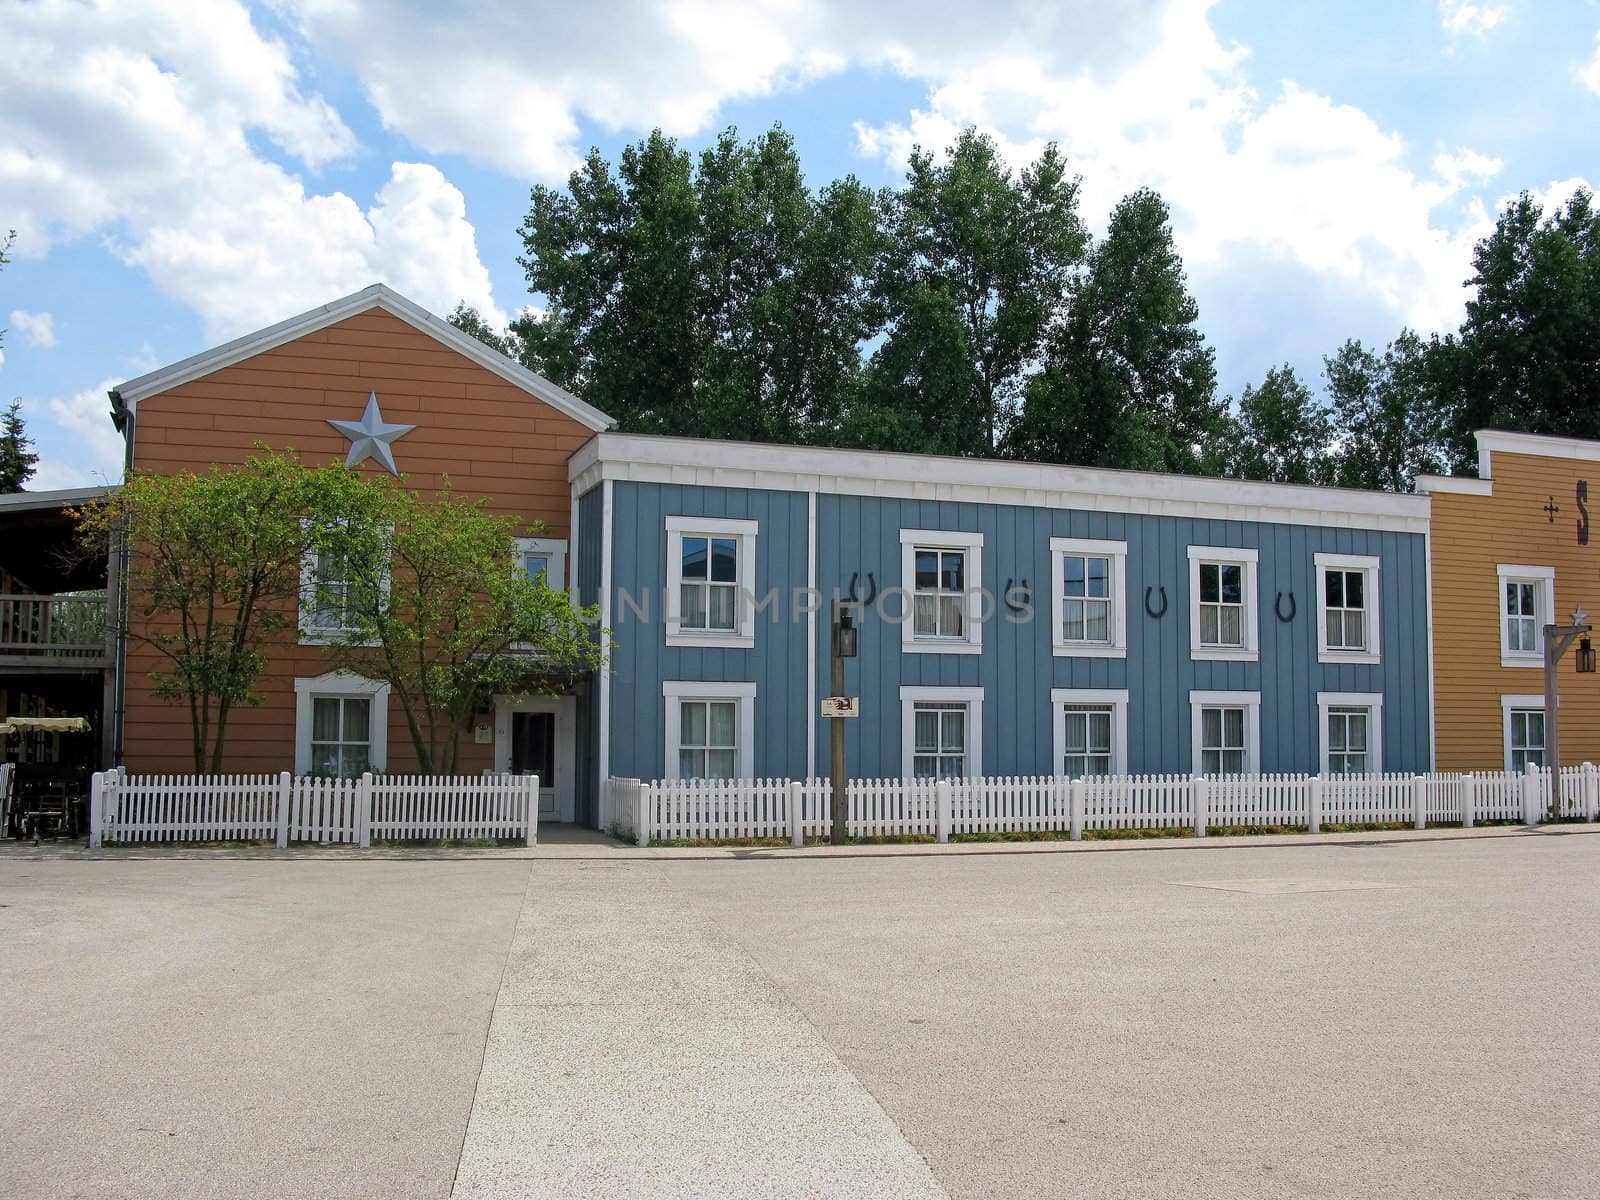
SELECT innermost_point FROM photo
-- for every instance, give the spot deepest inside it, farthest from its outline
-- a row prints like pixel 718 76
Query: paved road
pixel 1005 1025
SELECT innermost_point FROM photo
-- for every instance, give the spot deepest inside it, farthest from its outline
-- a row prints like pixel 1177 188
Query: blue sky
pixel 180 177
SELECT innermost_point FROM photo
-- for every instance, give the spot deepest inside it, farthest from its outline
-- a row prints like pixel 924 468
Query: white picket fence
pixel 728 810
pixel 130 809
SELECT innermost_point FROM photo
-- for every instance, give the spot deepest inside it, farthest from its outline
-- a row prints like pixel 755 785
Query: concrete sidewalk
pixel 636 1050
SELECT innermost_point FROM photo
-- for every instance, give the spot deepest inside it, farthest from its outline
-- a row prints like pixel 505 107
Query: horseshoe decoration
pixel 1154 612
pixel 872 589
pixel 1027 596
pixel 1277 607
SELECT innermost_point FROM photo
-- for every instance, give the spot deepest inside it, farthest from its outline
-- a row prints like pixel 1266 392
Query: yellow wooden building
pixel 1511 551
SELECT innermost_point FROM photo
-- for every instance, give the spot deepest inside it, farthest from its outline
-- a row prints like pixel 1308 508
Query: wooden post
pixel 1419 802
pixel 285 794
pixel 1202 808
pixel 838 772
pixel 641 812
pixel 797 813
pixel 97 785
pixel 1075 798
pixel 1591 792
pixel 1531 791
pixel 942 807
pixel 364 810
pixel 1314 805
pixel 1469 794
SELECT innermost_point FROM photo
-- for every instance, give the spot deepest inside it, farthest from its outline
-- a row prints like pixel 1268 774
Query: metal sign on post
pixel 841 706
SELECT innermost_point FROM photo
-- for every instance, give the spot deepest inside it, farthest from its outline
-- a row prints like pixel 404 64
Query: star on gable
pixel 372 436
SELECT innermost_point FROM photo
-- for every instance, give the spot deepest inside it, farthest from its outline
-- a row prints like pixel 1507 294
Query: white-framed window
pixel 341 725
pixel 543 560
pixel 711 729
pixel 1347 608
pixel 1522 719
pixel 711 576
pixel 1222 603
pixel 1351 732
pixel 327 596
pixel 941 572
pixel 1527 605
pixel 1091 731
pixel 1226 733
pixel 941 732
pixel 1089 600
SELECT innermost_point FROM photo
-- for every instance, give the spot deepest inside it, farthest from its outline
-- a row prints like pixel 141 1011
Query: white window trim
pixel 1248 559
pixel 744 694
pixel 911 540
pixel 312 635
pixel 972 697
pixel 338 684
pixel 1373 703
pixel 744 636
pixel 1250 702
pixel 1545 577
pixel 1117 552
pixel 1519 701
pixel 556 548
pixel 1368 564
pixel 1117 699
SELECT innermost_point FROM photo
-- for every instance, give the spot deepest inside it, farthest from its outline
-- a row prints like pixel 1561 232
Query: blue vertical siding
pixel 1017 669
pixel 586 557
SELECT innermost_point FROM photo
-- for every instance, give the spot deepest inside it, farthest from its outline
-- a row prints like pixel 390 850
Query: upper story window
pixel 1527 605
pixel 330 596
pixel 1222 603
pixel 543 560
pixel 941 572
pixel 1089 601
pixel 1347 608
pixel 710 581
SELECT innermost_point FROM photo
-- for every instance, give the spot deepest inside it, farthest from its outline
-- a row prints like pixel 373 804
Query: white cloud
pixel 38 328
pixel 90 450
pixel 135 122
pixel 1461 17
pixel 1590 75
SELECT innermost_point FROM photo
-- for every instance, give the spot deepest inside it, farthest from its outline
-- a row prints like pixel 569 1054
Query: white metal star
pixel 371 437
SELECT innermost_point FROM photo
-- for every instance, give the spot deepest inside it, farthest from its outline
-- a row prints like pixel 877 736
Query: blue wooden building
pixel 1015 619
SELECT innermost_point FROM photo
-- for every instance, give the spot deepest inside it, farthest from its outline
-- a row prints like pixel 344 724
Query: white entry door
pixel 534 736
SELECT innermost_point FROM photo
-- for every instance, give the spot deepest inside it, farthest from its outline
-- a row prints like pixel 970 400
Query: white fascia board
pixel 708 463
pixel 376 296
pixel 1538 444
pixel 1463 485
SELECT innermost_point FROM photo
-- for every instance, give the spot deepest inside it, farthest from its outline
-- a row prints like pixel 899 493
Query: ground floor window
pixel 1091 732
pixel 1226 732
pixel 710 730
pixel 1527 738
pixel 941 732
pixel 341 725
pixel 1351 732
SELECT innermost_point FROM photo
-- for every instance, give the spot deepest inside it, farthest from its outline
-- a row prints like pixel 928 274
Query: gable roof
pixel 377 295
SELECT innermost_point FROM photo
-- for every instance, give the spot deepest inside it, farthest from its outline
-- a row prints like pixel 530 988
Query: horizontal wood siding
pixel 1471 535
pixel 488 437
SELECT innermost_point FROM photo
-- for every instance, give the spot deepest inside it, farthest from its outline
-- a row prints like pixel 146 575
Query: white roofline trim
pixel 376 296
pixel 1542 445
pixel 709 463
pixel 62 498
pixel 1465 485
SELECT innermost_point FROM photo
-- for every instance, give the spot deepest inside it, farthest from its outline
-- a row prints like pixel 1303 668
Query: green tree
pixel 17 460
pixel 1528 354
pixel 214 574
pixel 977 264
pixel 1282 432
pixel 1385 425
pixel 1128 380
pixel 469 320
pixel 433 606
pixel 716 296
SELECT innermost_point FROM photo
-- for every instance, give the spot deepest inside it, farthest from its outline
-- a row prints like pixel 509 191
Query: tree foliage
pixel 213 574
pixel 1127 380
pixel 1386 427
pixel 433 606
pixel 1281 433
pixel 17 459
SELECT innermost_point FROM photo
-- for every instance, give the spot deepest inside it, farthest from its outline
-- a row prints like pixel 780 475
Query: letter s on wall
pixel 1583 512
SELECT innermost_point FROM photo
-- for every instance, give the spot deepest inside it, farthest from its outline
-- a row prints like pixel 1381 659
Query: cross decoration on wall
pixel 1552 508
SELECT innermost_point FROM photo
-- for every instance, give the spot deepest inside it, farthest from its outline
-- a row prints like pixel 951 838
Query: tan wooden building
pixel 371 372
pixel 1511 551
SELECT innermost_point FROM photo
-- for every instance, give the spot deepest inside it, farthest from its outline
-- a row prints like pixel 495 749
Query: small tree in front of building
pixel 213 574
pixel 434 605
